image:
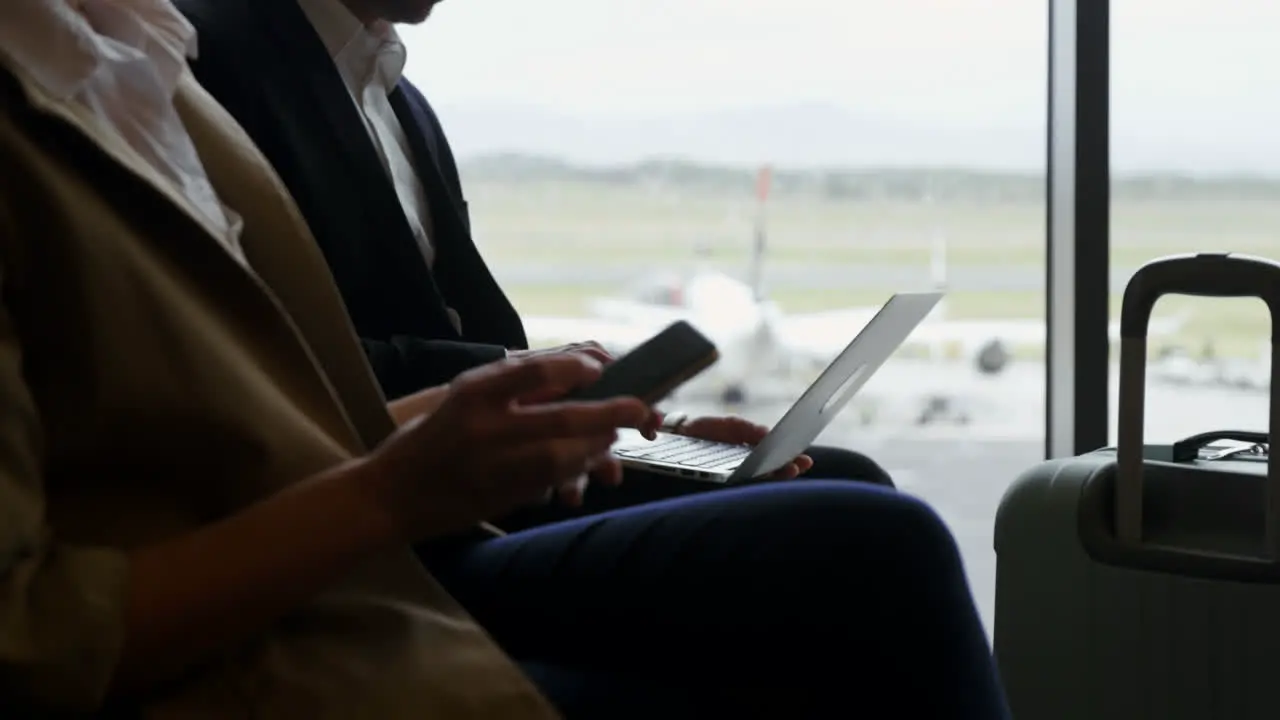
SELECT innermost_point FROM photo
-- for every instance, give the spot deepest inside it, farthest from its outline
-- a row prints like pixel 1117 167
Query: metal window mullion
pixel 1078 239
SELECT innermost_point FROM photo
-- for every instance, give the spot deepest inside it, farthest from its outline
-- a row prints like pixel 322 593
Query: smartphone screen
pixel 654 369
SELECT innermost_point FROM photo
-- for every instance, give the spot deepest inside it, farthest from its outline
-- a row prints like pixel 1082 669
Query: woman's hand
pixel 423 402
pixel 498 439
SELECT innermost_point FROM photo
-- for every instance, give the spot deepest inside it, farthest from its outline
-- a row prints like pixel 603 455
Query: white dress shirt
pixel 371 59
pixel 121 59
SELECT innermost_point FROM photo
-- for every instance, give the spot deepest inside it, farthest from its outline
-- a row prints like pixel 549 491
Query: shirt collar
pixel 62 43
pixel 355 47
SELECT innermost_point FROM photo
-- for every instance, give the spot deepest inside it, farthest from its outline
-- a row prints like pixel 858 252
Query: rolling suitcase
pixel 1143 581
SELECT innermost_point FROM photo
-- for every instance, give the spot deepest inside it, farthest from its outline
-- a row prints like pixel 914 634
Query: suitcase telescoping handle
pixel 1205 275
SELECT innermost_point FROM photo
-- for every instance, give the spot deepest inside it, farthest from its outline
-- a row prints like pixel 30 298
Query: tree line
pixel 913 184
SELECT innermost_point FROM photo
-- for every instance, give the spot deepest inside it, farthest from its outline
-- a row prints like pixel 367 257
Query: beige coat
pixel 150 383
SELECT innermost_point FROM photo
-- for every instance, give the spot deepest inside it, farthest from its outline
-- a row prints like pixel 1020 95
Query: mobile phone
pixel 655 368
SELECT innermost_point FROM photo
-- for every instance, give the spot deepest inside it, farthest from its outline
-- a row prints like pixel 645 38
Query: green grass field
pixel 581 226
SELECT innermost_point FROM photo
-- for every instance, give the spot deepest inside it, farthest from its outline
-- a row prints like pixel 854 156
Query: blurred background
pixel 774 172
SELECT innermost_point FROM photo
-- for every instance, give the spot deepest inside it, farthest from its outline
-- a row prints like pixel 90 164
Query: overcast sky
pixel 1198 79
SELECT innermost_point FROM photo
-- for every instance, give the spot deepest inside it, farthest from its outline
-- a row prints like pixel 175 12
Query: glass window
pixel 1196 167
pixel 604 142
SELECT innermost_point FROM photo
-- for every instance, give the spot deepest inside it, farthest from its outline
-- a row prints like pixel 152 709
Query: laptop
pixel 712 461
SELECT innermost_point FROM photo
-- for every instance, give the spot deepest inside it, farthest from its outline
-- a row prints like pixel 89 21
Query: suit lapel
pixel 460 271
pixel 422 140
pixel 82 121
pixel 421 134
pixel 322 93
pixel 301 277
pixel 282 252
pixel 314 80
pixel 450 234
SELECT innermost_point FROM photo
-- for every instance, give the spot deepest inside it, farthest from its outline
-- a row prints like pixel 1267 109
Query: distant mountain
pixel 821 135
pixel 807 135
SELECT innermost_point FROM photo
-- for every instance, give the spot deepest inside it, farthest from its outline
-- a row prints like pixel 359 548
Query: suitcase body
pixel 1143 581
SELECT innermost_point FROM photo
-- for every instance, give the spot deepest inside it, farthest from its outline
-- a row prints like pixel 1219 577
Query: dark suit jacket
pixel 264 62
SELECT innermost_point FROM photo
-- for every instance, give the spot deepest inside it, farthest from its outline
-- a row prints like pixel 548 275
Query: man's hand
pixel 590 348
pixel 497 441
pixel 736 430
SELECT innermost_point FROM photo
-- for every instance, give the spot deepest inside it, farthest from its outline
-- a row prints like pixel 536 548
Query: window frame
pixel 1077 242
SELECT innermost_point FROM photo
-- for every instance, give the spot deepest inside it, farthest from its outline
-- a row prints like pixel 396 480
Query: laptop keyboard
pixel 689 452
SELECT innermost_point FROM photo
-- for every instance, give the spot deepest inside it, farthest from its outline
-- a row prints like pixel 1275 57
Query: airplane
pixel 1176 366
pixel 758 341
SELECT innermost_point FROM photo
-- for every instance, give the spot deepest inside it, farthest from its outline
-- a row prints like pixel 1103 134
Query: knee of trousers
pixel 840 464
pixel 835 512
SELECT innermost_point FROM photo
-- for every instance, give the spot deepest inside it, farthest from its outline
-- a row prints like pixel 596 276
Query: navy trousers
pixel 792 599
pixel 642 487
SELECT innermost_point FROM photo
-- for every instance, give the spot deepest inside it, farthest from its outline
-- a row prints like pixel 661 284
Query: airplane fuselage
pixel 748 349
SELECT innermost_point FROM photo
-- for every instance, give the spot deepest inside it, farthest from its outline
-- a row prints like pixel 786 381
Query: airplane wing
pixel 820 336
pixel 1021 332
pixel 613 336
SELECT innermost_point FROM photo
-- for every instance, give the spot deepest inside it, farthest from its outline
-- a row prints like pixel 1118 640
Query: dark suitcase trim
pixel 1206 522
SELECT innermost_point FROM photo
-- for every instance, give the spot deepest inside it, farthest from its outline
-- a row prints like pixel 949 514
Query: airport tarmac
pixel 963 471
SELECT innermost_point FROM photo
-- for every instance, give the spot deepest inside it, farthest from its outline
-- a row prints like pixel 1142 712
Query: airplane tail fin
pixel 755 268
